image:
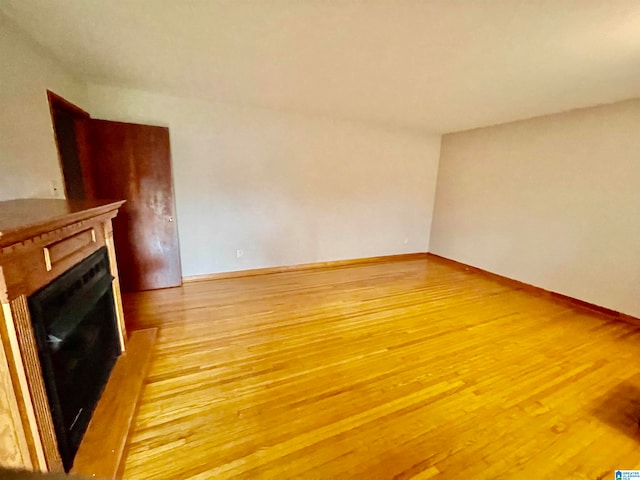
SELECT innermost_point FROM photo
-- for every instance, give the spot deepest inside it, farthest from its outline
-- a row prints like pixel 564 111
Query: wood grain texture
pixel 59 251
pixel 14 450
pixel 133 162
pixel 28 218
pixel 537 290
pixel 23 270
pixel 101 451
pixel 24 260
pixel 302 266
pixel 18 371
pixel 35 380
pixel 107 230
pixel 408 369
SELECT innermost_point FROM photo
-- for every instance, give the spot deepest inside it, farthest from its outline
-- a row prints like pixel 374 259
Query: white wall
pixel 28 154
pixel 286 189
pixel 553 201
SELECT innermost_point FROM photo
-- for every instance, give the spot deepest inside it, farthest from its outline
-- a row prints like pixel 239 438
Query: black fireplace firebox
pixel 75 327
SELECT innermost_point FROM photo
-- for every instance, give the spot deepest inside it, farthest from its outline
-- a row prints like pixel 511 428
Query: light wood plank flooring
pixel 410 369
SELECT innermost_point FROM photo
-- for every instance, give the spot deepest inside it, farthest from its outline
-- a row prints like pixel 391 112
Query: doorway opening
pixel 70 131
pixel 103 159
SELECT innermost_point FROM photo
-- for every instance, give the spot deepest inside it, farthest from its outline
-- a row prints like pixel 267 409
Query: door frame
pixel 84 136
pixel 80 116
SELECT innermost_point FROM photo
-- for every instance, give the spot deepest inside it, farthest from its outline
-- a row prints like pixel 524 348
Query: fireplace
pixel 77 338
pixel 61 330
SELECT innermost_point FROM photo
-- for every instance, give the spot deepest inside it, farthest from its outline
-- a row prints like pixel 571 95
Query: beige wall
pixel 28 155
pixel 286 189
pixel 553 201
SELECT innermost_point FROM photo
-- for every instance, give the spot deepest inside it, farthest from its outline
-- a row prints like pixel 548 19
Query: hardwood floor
pixel 411 369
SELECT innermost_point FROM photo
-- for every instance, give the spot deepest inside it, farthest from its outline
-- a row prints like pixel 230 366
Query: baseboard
pixel 304 266
pixel 538 290
pixel 417 256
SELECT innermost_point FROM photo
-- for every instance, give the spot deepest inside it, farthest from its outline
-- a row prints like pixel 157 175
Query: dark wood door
pixel 133 162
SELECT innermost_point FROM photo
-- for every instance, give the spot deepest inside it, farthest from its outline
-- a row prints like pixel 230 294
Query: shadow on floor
pixel 620 408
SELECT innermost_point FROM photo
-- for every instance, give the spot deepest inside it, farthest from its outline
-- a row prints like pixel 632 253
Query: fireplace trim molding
pixel 40 240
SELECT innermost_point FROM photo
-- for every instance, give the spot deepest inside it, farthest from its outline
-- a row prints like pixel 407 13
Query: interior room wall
pixel 28 155
pixel 552 201
pixel 284 188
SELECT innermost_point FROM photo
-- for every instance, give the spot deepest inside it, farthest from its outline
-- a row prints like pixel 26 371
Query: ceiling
pixel 439 65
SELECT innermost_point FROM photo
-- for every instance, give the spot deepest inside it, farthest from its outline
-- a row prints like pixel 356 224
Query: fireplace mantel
pixel 40 240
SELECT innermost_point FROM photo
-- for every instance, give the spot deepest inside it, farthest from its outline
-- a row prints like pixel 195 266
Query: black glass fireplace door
pixel 75 327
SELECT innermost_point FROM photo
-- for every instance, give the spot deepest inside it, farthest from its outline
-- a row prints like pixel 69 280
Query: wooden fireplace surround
pixel 40 240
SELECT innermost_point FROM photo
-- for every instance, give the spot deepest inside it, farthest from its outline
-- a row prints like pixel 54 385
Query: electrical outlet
pixel 239 253
pixel 406 240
